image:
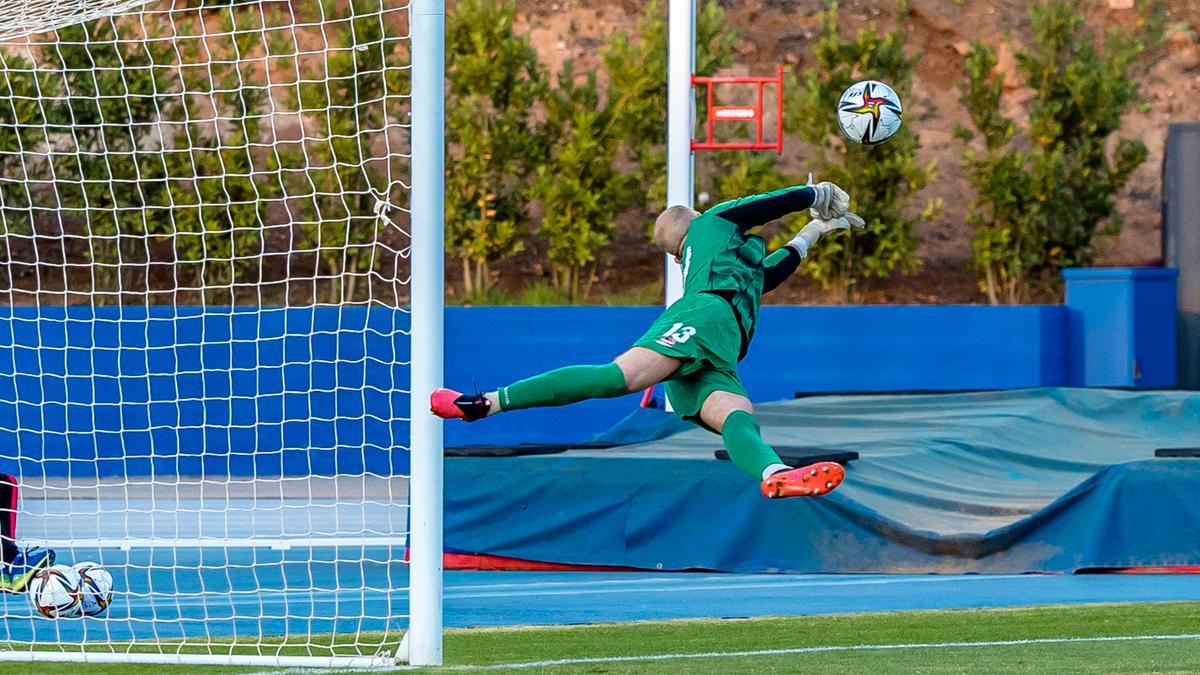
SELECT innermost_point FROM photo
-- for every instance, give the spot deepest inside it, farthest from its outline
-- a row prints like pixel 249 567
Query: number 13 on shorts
pixel 676 334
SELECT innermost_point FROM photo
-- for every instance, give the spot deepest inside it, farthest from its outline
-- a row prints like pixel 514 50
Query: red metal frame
pixel 742 113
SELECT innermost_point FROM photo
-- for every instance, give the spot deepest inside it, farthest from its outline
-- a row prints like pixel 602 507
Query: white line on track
pixel 524 665
pixel 727 580
pixel 274 597
pixel 760 583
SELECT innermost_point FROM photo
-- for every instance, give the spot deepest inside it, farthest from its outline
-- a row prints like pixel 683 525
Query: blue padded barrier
pixel 1051 480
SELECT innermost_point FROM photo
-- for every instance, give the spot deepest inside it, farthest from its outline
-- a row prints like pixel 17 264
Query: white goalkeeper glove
pixel 829 201
pixel 812 232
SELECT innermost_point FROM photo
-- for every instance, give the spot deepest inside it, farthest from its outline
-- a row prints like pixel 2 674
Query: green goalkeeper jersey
pixel 719 257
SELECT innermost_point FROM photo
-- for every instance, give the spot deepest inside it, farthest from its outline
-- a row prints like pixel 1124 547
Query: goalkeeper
pixel 695 346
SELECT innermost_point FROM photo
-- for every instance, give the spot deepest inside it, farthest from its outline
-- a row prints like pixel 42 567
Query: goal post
pixel 221 299
pixel 424 640
pixel 681 121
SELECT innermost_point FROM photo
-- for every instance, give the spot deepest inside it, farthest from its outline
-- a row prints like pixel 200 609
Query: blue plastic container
pixel 1121 327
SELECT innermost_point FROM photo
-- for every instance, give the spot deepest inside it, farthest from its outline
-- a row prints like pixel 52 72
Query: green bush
pixel 730 174
pixel 145 177
pixel 637 66
pixel 107 163
pixel 22 140
pixel 881 179
pixel 578 188
pixel 495 84
pixel 1045 189
pixel 337 177
pixel 154 166
pixel 218 209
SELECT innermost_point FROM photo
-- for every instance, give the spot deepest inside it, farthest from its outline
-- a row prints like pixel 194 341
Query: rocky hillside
pixel 778 31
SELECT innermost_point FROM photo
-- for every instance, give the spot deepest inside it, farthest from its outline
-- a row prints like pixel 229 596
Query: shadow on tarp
pixel 1046 480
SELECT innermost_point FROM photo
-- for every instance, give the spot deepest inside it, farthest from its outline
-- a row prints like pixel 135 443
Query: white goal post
pixel 424 643
pixel 221 310
pixel 681 121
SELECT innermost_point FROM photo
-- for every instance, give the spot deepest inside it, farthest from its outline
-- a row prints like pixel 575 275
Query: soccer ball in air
pixel 869 112
pixel 54 592
pixel 95 588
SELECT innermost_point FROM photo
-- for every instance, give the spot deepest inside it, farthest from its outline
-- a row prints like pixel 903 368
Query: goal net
pixel 205 324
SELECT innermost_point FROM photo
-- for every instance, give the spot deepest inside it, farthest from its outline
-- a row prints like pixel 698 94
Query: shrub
pixel 1045 191
pixel 637 67
pixel 125 196
pixel 495 83
pixel 592 132
pixel 343 178
pixel 578 187
pixel 880 179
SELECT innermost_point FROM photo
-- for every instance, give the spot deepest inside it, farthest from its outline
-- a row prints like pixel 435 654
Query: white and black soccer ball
pixel 95 588
pixel 54 592
pixel 869 112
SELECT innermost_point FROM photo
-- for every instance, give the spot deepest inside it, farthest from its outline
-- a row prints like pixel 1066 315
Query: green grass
pixel 467 650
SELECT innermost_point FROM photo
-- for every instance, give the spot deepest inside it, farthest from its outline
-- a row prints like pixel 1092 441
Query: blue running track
pixel 272 592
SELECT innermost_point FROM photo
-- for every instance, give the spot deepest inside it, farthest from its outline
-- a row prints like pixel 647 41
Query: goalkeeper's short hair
pixel 671 227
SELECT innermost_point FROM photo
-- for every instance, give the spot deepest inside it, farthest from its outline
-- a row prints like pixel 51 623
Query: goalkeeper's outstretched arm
pixel 782 263
pixel 825 199
pixel 779 266
pixel 750 212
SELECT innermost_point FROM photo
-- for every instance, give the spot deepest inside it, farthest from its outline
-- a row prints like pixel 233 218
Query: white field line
pixel 525 665
pixel 331 670
pixel 830 648
pixel 454 592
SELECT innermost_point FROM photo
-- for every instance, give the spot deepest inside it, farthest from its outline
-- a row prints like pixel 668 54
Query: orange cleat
pixel 451 405
pixel 813 480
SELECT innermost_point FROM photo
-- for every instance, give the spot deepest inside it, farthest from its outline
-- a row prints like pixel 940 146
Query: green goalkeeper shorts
pixel 700 330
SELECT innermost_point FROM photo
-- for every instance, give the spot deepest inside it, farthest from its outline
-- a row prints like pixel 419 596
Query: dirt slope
pixel 775 31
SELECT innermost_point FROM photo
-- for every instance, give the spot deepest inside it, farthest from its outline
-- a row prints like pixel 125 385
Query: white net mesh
pixel 19 18
pixel 203 343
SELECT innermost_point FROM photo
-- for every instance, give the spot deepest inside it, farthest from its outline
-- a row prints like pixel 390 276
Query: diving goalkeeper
pixel 695 346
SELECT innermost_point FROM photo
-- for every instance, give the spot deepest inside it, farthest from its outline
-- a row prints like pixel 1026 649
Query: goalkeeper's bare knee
pixel 720 405
pixel 645 368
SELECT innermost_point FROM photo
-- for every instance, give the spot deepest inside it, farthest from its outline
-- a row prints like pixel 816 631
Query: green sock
pixel 563 386
pixel 745 444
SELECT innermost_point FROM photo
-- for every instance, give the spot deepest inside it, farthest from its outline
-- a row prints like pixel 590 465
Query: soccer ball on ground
pixel 54 592
pixel 869 112
pixel 95 588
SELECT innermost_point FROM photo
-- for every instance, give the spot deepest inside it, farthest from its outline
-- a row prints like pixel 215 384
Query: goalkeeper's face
pixel 671 228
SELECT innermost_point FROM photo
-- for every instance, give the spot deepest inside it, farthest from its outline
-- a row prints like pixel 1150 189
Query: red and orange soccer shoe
pixel 813 480
pixel 452 405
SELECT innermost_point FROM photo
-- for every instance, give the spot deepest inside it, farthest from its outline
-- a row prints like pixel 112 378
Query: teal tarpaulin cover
pixel 1053 480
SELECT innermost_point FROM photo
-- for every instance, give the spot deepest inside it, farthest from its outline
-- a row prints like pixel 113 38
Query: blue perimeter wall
pixel 806 348
pixel 248 391
pixel 139 391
